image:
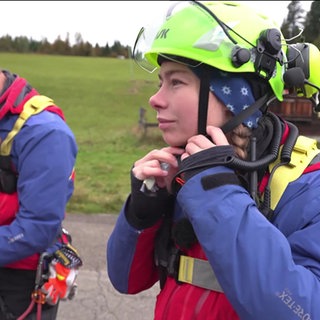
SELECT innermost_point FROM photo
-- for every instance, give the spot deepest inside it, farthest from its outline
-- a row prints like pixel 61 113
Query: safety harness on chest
pixel 8 176
pixel 199 272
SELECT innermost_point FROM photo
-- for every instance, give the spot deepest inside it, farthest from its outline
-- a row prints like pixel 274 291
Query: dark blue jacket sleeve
pixel 44 153
pixel 267 270
pixel 130 256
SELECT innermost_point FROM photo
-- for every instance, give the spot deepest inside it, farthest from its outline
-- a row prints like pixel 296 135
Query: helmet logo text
pixel 162 34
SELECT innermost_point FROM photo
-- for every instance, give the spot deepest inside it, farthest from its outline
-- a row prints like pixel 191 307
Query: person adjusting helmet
pixel 229 44
pixel 225 216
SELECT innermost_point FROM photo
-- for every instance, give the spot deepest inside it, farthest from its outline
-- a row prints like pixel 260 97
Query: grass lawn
pixel 101 98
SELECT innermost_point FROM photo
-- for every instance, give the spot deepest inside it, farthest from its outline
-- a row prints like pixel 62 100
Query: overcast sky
pixel 97 21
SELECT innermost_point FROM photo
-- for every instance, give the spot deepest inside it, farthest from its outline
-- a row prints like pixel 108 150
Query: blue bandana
pixel 236 93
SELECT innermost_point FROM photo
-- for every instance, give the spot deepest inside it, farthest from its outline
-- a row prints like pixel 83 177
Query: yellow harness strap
pixel 198 272
pixel 33 106
pixel 303 152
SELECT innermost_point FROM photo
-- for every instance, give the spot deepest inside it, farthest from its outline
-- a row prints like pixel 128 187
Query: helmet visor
pixel 187 13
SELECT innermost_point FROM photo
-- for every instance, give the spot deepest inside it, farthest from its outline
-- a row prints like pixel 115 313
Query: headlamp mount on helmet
pixel 268 52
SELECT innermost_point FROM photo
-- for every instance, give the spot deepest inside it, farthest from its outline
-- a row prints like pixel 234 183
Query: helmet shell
pixel 313 66
pixel 305 56
pixel 191 32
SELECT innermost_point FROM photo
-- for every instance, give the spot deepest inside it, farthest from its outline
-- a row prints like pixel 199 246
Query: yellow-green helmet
pixel 226 35
pixel 304 56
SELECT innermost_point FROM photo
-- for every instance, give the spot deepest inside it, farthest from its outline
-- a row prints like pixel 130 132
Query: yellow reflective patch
pixel 186 269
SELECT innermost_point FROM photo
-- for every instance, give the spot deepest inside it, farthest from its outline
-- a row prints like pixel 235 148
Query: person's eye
pixel 176 82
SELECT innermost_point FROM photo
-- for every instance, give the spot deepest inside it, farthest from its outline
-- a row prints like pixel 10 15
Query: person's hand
pixel 201 153
pixel 200 142
pixel 151 166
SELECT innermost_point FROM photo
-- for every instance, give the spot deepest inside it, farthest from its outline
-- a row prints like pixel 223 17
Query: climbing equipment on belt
pixel 55 278
pixel 37 296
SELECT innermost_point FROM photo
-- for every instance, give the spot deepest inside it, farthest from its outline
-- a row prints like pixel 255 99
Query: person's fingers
pixel 217 136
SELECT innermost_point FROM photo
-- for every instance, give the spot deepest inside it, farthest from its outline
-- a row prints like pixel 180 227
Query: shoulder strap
pixel 33 106
pixel 303 152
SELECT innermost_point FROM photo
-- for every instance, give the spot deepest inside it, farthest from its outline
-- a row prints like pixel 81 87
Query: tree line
pixel 22 44
pixel 296 21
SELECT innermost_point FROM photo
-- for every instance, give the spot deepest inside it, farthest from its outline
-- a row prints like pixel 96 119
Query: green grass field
pixel 101 98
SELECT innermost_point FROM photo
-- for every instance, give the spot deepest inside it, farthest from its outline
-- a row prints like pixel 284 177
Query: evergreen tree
pixel 312 24
pixel 6 43
pixel 293 24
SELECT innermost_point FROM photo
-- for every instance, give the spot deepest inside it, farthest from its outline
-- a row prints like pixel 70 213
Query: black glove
pixel 143 211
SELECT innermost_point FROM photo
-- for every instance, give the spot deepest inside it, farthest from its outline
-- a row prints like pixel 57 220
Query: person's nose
pixel 157 101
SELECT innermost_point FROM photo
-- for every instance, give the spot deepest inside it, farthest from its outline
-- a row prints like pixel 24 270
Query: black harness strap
pixel 236 120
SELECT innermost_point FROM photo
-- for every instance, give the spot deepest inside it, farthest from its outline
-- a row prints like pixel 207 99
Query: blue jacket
pixel 267 270
pixel 44 154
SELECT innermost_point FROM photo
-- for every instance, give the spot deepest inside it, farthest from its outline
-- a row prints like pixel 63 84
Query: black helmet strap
pixel 239 118
pixel 203 103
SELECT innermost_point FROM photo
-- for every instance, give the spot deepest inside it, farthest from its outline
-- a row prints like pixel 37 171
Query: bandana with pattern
pixel 236 93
